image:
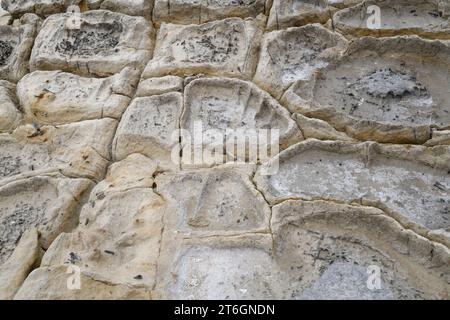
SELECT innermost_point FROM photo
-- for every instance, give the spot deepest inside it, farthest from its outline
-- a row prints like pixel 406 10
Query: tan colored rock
pixel 412 182
pixel 130 7
pixel 50 203
pixel 226 47
pixel 397 17
pixel 319 250
pixel 318 129
pixel 55 97
pixel 14 271
pixel 106 43
pixel 147 127
pixel 40 7
pixel 9 114
pixel 5 17
pixel 388 90
pixel 161 85
pixel 333 246
pixel 294 13
pixel 117 240
pixel 16 42
pixel 196 11
pixel 220 201
pixel 439 138
pixel 50 283
pixel 295 54
pixel 77 150
pixel 223 104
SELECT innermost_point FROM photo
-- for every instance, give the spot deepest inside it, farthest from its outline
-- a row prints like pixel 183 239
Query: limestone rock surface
pixel 225 149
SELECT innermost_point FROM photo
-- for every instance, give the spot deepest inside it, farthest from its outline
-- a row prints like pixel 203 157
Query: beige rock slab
pixel 130 7
pixel 328 249
pixel 106 43
pixel 294 13
pixel 77 150
pixel 217 201
pixel 16 42
pixel 222 104
pixel 159 85
pixel 319 250
pixel 295 54
pixel 55 97
pixel 226 47
pixel 390 90
pixel 49 203
pixel 397 17
pixel 50 283
pixel 9 114
pixel 149 126
pixel 14 271
pixel 411 182
pixel 39 7
pixel 197 11
pixel 118 237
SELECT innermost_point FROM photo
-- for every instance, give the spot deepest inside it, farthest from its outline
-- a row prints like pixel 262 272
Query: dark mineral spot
pixel 90 40
pixel 5 52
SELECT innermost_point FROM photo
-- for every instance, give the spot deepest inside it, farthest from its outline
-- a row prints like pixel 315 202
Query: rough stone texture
pixel 49 203
pixel 226 47
pixel 96 177
pixel 223 103
pixel 9 114
pixel 398 17
pixel 105 44
pixel 39 7
pixel 147 127
pixel 413 182
pixel 14 271
pixel 293 55
pixel 55 97
pixel 395 98
pixel 76 149
pixel 16 42
pixel 197 11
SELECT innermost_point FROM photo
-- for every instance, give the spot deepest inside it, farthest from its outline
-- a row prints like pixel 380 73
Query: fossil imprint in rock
pixel 411 182
pixel 397 17
pixel 390 90
pixel 105 44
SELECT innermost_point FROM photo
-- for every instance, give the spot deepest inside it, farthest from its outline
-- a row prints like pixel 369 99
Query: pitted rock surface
pixel 116 118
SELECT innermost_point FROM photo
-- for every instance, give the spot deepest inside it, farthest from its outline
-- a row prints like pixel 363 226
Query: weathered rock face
pixel 187 11
pixel 105 43
pixel 395 98
pixel 225 47
pixel 137 158
pixel 9 114
pixel 15 47
pixel 55 97
pixel 411 182
pixel 39 7
pixel 404 17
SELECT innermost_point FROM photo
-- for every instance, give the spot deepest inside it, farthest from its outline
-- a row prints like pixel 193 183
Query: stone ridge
pixel 101 104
